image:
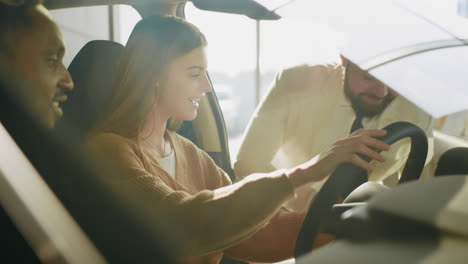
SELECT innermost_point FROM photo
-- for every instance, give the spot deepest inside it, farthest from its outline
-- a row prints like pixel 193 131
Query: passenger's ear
pixel 344 61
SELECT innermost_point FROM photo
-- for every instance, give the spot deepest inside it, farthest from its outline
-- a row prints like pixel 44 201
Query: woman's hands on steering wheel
pixel 347 177
pixel 361 143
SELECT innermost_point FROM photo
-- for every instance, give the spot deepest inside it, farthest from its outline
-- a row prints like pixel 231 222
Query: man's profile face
pixel 367 95
pixel 38 58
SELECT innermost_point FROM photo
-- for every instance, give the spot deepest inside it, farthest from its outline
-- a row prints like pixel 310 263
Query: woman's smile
pixel 195 101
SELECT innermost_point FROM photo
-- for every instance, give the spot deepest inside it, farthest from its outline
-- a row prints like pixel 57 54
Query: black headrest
pixel 453 161
pixel 93 71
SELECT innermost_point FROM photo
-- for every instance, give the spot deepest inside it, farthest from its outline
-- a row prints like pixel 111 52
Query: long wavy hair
pixel 154 43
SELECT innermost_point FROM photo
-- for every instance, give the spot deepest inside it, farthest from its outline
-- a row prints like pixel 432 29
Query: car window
pixel 126 18
pixel 232 57
pixel 81 25
pixel 307 34
pixel 231 65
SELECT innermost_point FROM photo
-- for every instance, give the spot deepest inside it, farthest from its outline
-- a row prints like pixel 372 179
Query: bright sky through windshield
pixel 231 42
pixel 289 41
pixel 301 36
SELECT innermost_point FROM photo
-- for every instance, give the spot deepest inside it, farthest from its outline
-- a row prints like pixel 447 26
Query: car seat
pixel 453 161
pixel 93 72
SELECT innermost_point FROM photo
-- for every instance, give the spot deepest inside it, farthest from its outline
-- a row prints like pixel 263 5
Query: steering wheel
pixel 348 177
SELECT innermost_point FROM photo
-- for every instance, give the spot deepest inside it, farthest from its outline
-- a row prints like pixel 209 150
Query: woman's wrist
pixel 310 171
pixel 296 177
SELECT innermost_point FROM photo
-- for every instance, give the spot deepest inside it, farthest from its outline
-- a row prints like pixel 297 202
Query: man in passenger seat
pixel 311 106
pixel 32 43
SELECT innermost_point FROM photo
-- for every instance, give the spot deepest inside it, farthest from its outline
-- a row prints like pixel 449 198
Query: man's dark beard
pixel 363 108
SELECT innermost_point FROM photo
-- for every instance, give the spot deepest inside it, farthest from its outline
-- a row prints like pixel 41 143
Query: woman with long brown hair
pixel 161 79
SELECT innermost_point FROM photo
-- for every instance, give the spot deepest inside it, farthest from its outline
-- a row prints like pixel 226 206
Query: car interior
pixel 58 206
